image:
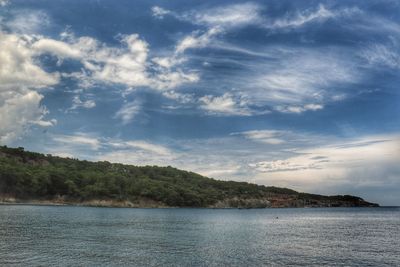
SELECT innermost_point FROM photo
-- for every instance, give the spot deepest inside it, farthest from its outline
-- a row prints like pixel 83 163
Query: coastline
pixel 90 203
pixel 144 204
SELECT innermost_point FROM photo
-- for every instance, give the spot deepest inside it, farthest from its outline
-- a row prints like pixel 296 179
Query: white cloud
pixel 137 152
pixel 172 79
pixel 243 14
pixel 78 103
pixel 78 140
pixel 367 22
pixel 141 145
pixel 59 48
pixel 313 107
pixel 379 54
pixel 339 97
pixel 301 80
pixel 128 65
pixel 17 112
pixel 159 12
pixel 18 69
pixel 227 16
pixel 282 165
pixel 83 77
pixel 169 62
pixel 196 40
pixel 272 137
pixel 125 65
pixel 226 104
pixel 20 80
pixel 92 147
pixel 299 109
pixel 294 81
pixel 3 2
pixel 128 111
pixel 179 97
pixel 28 22
pixel 217 20
pixel 306 74
pixel 301 18
pixel 43 123
pixel 80 145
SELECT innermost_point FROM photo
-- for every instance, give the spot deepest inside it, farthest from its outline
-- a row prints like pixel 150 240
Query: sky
pixel 298 94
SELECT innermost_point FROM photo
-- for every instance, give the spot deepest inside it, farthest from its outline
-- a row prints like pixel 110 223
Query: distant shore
pixel 88 203
pixel 140 204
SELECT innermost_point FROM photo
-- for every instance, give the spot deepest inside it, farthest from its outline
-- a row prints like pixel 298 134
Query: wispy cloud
pixel 77 140
pixel 304 76
pixel 196 40
pixel 217 22
pixel 138 152
pixel 78 103
pixel 93 147
pixel 382 55
pixel 295 80
pixel 272 137
pixel 301 18
pixel 28 22
pixel 299 109
pixel 283 165
pixel 159 12
pixel 236 15
pixel 226 104
pixel 141 145
pixel 180 97
pixel 299 80
pixel 128 111
pixel 225 16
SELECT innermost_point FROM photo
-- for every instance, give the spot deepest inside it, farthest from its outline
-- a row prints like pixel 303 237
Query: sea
pixel 87 236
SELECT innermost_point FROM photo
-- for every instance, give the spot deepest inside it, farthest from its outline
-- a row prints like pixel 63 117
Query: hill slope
pixel 33 177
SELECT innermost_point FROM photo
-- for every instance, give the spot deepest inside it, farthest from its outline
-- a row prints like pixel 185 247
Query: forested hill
pixel 33 177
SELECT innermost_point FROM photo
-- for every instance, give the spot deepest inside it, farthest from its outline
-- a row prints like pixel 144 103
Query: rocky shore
pixel 251 203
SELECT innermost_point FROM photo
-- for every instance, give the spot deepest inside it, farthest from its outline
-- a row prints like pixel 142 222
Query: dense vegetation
pixel 27 175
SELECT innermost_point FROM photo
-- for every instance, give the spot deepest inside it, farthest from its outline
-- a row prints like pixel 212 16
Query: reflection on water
pixel 80 236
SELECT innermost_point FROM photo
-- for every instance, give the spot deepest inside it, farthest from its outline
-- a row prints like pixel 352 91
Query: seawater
pixel 83 236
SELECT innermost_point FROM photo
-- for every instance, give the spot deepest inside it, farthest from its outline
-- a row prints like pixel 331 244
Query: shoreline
pixel 90 203
pixel 102 204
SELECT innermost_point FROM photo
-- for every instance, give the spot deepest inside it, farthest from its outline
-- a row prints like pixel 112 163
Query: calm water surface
pixel 80 236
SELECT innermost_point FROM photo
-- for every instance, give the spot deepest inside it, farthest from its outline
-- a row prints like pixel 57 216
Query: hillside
pixel 46 179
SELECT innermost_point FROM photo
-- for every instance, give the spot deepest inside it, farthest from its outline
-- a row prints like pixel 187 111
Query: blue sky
pixel 301 94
